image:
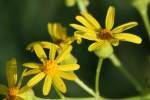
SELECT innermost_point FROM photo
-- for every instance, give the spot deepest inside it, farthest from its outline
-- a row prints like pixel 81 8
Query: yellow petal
pixel 69 67
pixel 128 37
pixel 47 45
pixel 50 29
pixel 110 17
pixel 43 44
pixel 52 52
pixel 3 89
pixel 82 28
pixel 63 54
pixel 83 21
pixel 68 75
pixel 95 46
pixel 87 36
pixel 31 72
pixel 47 85
pixel 40 52
pixel 60 85
pixel 11 72
pixel 32 65
pixel 37 78
pixel 124 27
pixel 91 19
pixel 61 31
pixel 56 31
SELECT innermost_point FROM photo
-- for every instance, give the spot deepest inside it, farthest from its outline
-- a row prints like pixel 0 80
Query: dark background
pixel 25 21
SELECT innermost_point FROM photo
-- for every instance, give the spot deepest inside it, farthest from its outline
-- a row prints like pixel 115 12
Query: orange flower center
pixel 50 67
pixel 12 93
pixel 104 34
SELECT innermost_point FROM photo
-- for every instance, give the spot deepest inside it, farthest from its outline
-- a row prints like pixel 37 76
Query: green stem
pixel 119 66
pixel 81 6
pixel 146 20
pixel 59 93
pixel 146 97
pixel 85 87
pixel 98 70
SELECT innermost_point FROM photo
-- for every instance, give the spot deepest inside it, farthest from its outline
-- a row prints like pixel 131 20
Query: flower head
pixel 92 30
pixel 58 34
pixel 51 69
pixel 13 91
pixel 59 37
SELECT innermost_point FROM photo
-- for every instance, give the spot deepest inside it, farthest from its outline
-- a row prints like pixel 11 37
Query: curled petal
pixel 47 85
pixel 56 31
pixel 110 18
pixel 91 20
pixel 128 37
pixel 95 46
pixel 43 44
pixel 124 27
pixel 37 78
pixel 60 85
pixel 69 67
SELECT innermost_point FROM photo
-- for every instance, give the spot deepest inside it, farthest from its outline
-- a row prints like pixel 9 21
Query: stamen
pixel 104 34
pixel 50 67
pixel 12 93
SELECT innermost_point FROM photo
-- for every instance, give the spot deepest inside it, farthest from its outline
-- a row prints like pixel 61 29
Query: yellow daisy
pixel 51 69
pixel 92 30
pixel 13 91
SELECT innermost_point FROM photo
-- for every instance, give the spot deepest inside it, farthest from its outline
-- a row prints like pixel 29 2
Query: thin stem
pixel 146 97
pixel 146 20
pixel 59 93
pixel 85 87
pixel 119 66
pixel 98 70
pixel 81 6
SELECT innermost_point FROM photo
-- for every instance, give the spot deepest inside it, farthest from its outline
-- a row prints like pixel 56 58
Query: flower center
pixel 12 93
pixel 50 67
pixel 57 42
pixel 104 34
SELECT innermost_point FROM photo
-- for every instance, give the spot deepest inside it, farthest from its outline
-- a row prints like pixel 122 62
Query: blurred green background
pixel 25 21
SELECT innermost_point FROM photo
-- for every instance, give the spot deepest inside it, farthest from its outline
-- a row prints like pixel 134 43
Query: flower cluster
pixel 59 63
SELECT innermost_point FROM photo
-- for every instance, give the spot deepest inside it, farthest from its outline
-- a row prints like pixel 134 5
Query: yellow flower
pixel 59 37
pixel 92 30
pixel 14 90
pixel 51 69
pixel 58 34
